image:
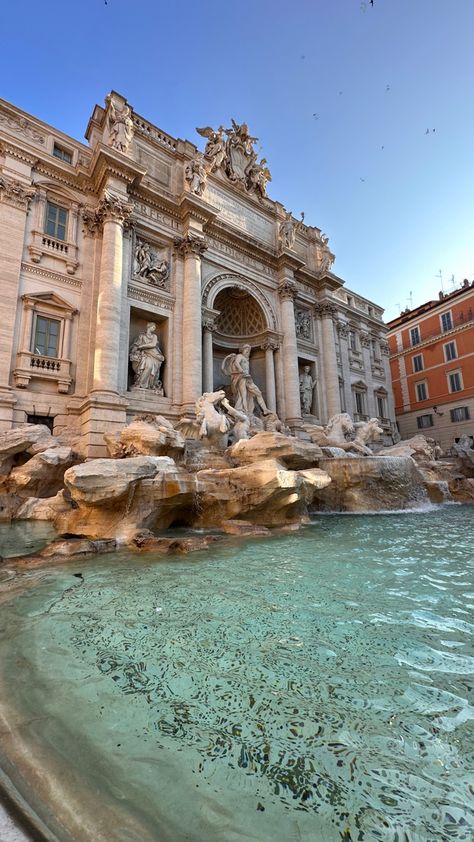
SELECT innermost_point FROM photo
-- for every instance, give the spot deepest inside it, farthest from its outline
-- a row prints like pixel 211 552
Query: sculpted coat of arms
pixel 232 152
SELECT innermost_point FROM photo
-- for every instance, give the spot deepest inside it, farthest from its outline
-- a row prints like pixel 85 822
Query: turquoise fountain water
pixel 309 687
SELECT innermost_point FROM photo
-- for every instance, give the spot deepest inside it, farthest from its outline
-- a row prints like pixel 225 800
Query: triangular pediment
pixel 359 384
pixel 50 299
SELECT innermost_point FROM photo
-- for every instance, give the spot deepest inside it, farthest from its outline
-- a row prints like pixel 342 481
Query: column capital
pixel 111 208
pixel 365 340
pixel 287 289
pixel 16 193
pixel 342 329
pixel 190 244
pixel 384 347
pixel 325 310
pixel 209 324
pixel 270 344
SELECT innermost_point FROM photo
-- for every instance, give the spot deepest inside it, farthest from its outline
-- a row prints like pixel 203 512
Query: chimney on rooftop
pixel 465 283
pixel 441 295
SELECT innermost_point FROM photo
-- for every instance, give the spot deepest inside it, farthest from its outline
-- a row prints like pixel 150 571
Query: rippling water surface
pixel 311 687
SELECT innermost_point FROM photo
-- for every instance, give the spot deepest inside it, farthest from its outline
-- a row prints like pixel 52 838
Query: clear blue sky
pixel 275 64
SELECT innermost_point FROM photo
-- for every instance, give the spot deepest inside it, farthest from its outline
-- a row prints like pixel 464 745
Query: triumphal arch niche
pixel 139 263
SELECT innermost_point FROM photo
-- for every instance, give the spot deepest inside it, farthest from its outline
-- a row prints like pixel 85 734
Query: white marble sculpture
pixel 341 432
pixel 146 359
pixel 149 265
pixel 196 175
pixel 211 423
pixel 245 392
pixel 307 385
pixel 289 229
pixel 120 126
pixel 215 151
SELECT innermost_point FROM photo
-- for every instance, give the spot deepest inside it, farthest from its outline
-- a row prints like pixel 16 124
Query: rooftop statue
pixel 289 229
pixel 196 175
pixel 120 125
pixel 235 156
pixel 215 151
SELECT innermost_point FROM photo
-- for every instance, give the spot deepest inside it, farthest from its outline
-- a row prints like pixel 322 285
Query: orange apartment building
pixel 432 366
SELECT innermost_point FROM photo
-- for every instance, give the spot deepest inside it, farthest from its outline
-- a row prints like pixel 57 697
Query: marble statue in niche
pixel 303 324
pixel 196 175
pixel 120 126
pixel 146 359
pixel 150 265
pixel 245 392
pixel 307 385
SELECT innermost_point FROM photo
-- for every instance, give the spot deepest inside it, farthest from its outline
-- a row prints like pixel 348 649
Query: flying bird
pixel 362 179
pixel 387 88
pixel 316 116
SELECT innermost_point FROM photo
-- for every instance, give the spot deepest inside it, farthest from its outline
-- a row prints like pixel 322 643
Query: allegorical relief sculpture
pixel 195 174
pixel 120 125
pixel 303 324
pixel 146 359
pixel 236 157
pixel 307 385
pixel 288 230
pixel 149 265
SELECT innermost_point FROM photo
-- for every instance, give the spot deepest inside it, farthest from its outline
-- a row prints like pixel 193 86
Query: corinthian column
pixel 207 353
pixel 287 293
pixel 191 247
pixel 326 311
pixel 269 346
pixel 114 211
pixel 366 343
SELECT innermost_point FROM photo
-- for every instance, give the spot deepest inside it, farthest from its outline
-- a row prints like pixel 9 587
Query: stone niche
pixel 139 321
pixel 313 373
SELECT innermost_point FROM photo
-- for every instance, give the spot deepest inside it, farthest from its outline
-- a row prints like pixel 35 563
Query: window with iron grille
pixel 460 413
pixel 415 336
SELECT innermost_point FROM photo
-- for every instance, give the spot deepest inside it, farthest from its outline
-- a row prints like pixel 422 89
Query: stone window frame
pixel 422 367
pixel 43 244
pixel 447 358
pixel 463 412
pixel 360 389
pixel 455 373
pixel 381 394
pixel 30 365
pixel 421 425
pixel 423 384
pixel 418 334
pixel 63 151
pixel 449 314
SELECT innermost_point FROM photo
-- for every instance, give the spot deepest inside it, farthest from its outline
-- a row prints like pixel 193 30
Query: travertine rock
pixel 293 453
pixel 370 483
pixel 145 438
pixel 43 474
pixel 264 493
pixel 144 492
pixel 46 508
pixel 418 447
pixel 104 481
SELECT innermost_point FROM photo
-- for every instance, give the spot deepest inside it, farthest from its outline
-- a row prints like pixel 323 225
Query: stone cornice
pixel 194 207
pixel 54 276
pixel 108 162
pixel 289 260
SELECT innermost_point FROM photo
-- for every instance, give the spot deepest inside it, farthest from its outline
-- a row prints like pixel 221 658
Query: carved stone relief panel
pixel 303 324
pixel 151 263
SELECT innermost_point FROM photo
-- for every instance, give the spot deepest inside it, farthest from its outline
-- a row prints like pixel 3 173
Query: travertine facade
pixel 133 267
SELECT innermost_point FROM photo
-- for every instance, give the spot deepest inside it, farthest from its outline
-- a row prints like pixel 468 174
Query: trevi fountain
pixel 304 674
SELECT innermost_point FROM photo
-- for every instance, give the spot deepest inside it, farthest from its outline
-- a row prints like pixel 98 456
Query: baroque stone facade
pixel 133 266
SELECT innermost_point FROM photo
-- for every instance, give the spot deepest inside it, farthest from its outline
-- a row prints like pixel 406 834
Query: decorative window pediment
pixel 45 340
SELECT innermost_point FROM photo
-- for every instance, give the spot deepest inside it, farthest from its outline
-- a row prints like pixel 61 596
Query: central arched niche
pixel 240 315
pixel 240 319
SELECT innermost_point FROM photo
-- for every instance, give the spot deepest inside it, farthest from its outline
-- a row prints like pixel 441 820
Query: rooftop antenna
pixel 410 299
pixel 399 307
pixel 440 276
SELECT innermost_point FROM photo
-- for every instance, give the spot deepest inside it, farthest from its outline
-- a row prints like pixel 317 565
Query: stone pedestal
pixel 100 413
